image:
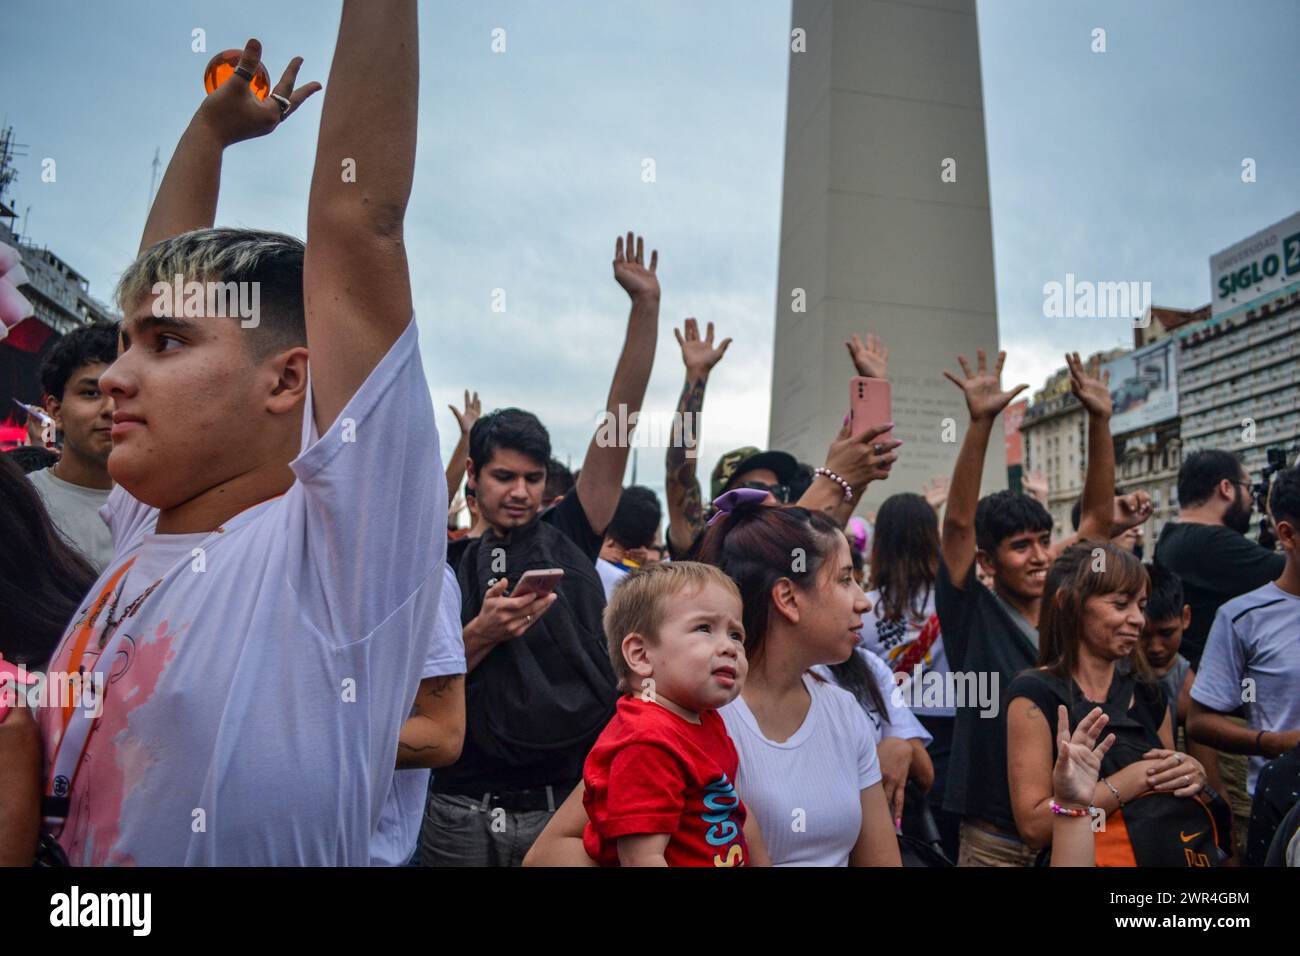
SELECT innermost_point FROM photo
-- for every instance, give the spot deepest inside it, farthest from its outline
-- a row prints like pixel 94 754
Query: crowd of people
pixel 271 668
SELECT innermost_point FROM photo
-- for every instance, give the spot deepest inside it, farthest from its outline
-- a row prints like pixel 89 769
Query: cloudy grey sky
pixel 1122 165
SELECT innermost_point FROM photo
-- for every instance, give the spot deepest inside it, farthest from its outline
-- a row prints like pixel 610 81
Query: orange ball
pixel 222 67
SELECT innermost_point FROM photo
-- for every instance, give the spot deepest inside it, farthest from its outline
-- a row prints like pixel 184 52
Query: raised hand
pixel 1130 511
pixel 234 114
pixel 862 459
pixel 630 270
pixel 1078 757
pixel 698 355
pixel 936 493
pixel 983 389
pixel 1090 386
pixel 1034 484
pixel 473 410
pixel 871 358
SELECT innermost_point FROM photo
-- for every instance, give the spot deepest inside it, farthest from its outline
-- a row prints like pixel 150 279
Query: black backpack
pixel 552 688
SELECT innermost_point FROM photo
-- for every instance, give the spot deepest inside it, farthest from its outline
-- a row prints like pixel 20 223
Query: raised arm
pixel 187 198
pixel 858 460
pixel 355 278
pixel 456 464
pixel 681 484
pixel 984 400
pixel 1091 387
pixel 601 480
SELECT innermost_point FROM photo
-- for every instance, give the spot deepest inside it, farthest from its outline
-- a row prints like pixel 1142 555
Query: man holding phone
pixel 540 687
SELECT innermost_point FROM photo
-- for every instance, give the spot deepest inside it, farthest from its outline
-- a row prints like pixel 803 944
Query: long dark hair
pixel 1078 574
pixel 42 579
pixel 757 546
pixel 904 556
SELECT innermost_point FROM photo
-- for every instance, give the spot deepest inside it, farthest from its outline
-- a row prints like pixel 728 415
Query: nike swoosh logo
pixel 1189 839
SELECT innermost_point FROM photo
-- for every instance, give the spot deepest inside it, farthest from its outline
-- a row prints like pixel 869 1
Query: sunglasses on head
pixel 780 492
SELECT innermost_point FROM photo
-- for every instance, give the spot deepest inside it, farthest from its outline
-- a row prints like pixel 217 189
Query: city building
pixel 1238 376
pixel 60 297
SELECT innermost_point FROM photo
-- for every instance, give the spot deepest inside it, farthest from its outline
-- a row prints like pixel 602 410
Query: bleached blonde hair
pixel 272 260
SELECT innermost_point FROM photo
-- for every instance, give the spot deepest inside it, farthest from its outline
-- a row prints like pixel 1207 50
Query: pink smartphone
pixel 869 405
pixel 540 582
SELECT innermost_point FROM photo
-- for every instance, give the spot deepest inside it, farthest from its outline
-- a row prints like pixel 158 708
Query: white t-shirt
pixel 75 513
pixel 806 792
pixel 890 640
pixel 610 575
pixel 898 719
pixel 1255 636
pixel 399 824
pixel 252 717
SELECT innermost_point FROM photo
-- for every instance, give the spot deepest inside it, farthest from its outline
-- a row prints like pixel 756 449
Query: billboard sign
pixel 1144 386
pixel 1255 268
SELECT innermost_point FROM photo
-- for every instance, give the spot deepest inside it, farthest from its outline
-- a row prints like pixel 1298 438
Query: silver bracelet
pixel 1118 798
pixel 827 473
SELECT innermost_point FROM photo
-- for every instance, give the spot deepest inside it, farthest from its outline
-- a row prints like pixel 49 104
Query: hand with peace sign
pixel 232 113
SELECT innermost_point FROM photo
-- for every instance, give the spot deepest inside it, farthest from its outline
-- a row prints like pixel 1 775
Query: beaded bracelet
pixel 1061 811
pixel 827 473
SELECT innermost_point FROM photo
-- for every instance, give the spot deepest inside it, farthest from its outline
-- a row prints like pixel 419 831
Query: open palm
pixel 630 269
pixel 699 355
pixel 982 388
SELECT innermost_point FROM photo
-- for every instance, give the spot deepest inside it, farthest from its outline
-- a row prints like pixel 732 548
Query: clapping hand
pixel 234 114
pixel 983 389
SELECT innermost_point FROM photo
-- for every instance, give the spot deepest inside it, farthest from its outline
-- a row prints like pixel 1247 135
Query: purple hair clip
pixel 728 501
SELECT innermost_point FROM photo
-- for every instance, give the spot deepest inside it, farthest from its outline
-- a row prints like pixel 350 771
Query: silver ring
pixel 528 618
pixel 878 448
pixel 1178 757
pixel 283 101
pixel 244 72
pixel 1187 781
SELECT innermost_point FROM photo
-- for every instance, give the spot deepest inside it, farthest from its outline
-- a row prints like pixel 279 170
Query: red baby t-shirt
pixel 651 771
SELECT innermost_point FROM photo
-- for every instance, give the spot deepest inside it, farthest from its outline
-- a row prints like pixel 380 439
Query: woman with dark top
pixel 1089 656
pixel 42 580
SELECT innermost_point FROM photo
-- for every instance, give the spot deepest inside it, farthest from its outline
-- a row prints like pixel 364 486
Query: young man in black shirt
pixel 995 631
pixel 1207 547
pixel 540 687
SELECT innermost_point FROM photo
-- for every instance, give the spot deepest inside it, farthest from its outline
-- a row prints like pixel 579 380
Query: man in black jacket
pixel 1207 547
pixel 540 687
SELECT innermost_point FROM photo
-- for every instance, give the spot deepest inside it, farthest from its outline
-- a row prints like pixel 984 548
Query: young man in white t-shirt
pixel 76 486
pixel 278 557
pixel 1252 656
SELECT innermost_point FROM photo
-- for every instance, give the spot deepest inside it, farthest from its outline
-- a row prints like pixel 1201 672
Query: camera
pixel 1259 491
